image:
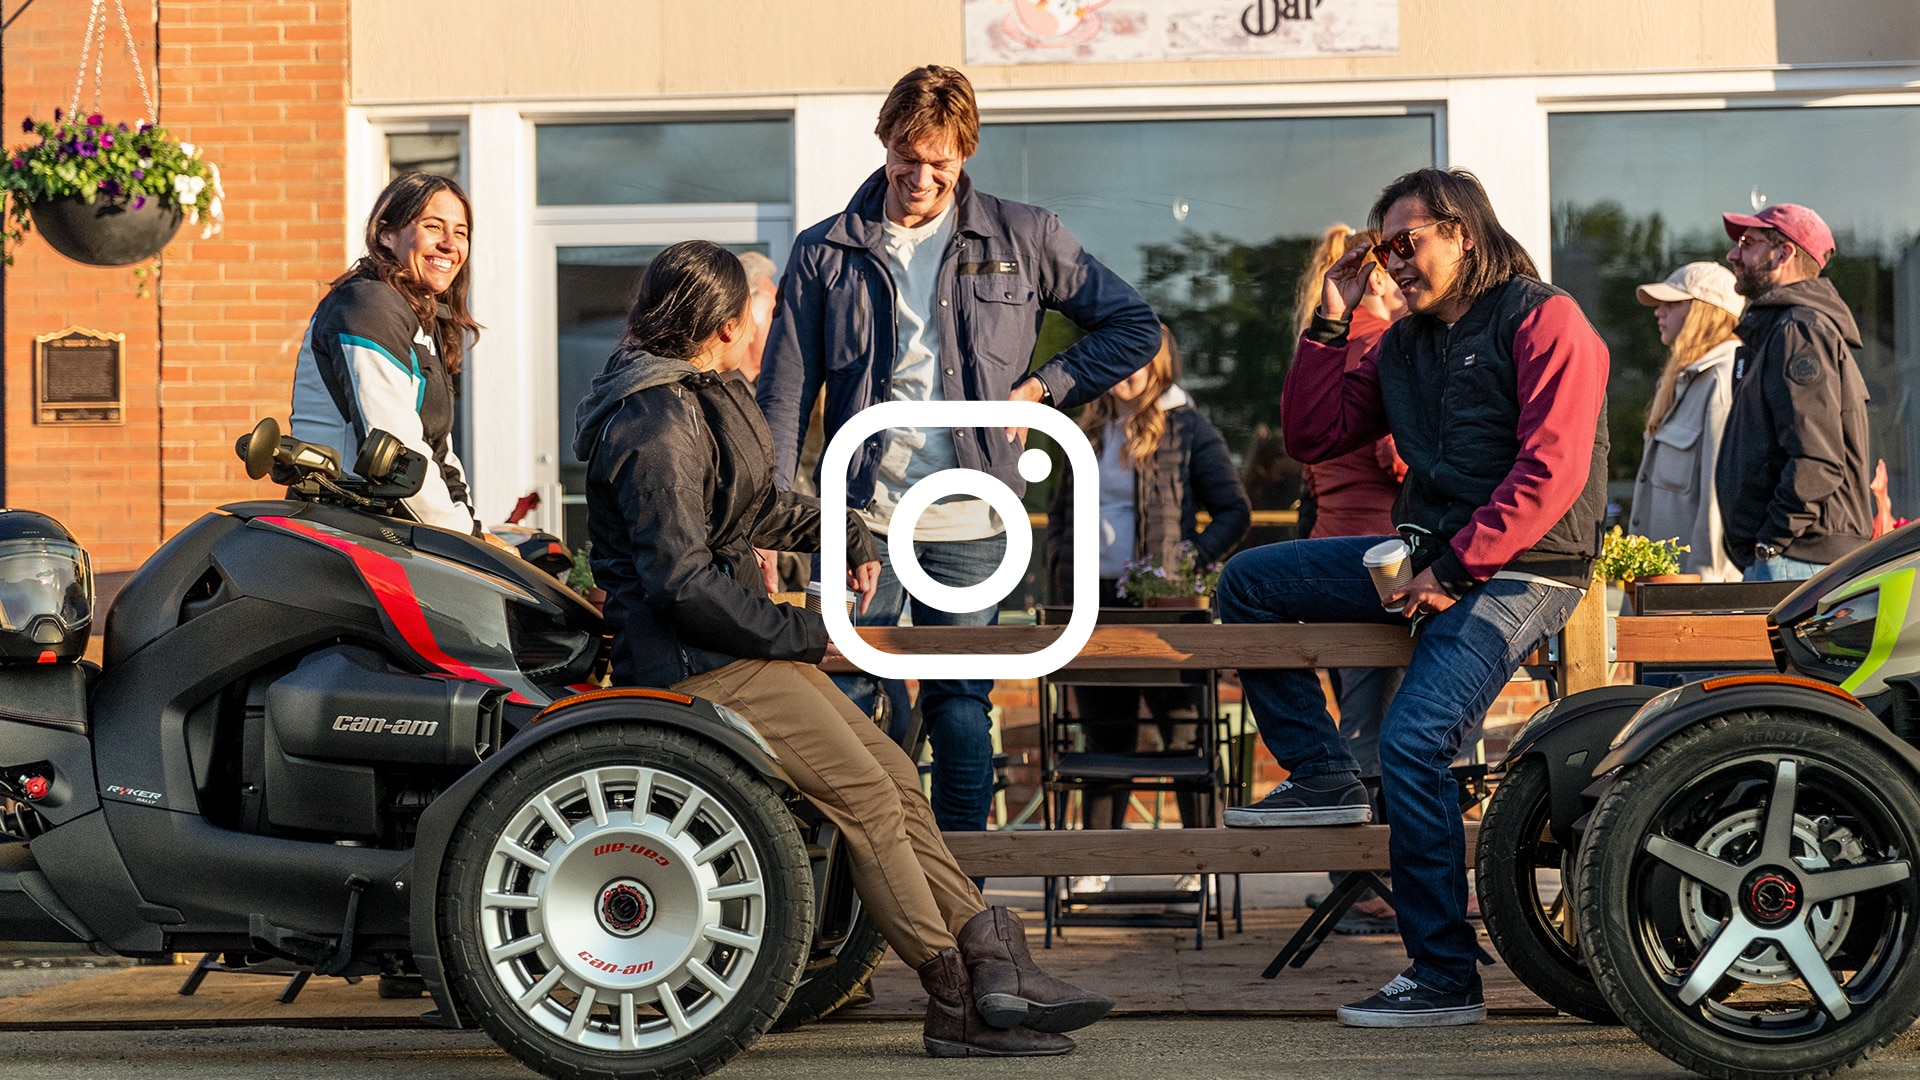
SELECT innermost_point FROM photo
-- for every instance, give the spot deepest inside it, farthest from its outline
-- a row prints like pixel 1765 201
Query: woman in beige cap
pixel 1696 308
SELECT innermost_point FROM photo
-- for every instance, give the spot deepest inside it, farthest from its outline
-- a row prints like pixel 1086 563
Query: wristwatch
pixel 1046 394
pixel 1765 552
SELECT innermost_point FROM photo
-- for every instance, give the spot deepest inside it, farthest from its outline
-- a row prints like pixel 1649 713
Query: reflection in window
pixel 734 161
pixel 1637 194
pixel 436 152
pixel 593 288
pixel 1212 220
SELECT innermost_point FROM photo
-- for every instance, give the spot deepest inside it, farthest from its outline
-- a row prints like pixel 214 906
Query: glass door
pixel 592 272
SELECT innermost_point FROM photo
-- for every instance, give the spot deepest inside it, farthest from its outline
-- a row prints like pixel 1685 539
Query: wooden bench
pixel 1583 664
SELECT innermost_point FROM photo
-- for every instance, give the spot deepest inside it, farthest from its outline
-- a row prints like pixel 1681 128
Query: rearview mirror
pixel 258 447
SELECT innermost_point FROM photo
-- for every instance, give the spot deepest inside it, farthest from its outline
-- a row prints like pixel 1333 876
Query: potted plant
pixel 1184 584
pixel 107 194
pixel 1630 560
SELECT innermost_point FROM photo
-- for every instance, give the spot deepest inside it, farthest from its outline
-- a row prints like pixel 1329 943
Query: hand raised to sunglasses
pixel 1346 282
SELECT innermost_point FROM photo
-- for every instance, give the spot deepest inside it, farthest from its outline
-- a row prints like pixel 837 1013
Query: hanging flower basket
pixel 107 231
pixel 107 195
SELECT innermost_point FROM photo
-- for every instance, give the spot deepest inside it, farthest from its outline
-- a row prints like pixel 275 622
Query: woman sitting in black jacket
pixel 679 493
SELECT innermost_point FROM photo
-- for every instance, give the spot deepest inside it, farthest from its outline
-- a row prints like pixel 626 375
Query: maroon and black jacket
pixel 1501 419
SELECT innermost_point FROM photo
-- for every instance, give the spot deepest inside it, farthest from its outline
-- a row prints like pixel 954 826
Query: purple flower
pixel 95 120
pixel 139 201
pixel 19 163
pixel 145 127
pixel 106 142
pixel 89 149
pixel 122 125
pixel 112 187
pixel 139 174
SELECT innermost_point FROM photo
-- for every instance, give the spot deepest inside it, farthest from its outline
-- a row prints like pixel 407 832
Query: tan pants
pixel 866 785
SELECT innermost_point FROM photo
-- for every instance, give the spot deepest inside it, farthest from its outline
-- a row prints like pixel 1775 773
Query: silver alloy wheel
pixel 1771 898
pixel 1700 908
pixel 623 908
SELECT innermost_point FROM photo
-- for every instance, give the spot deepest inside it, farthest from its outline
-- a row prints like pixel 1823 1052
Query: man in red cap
pixel 1793 468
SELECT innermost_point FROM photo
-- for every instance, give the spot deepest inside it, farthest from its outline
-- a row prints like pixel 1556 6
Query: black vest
pixel 1453 406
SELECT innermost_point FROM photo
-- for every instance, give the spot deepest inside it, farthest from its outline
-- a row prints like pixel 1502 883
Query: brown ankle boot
pixel 1010 989
pixel 954 1029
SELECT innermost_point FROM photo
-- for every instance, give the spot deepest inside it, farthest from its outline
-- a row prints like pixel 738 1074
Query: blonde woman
pixel 1674 494
pixel 1161 463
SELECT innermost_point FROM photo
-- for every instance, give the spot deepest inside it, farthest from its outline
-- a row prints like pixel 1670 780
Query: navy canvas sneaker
pixel 1405 1003
pixel 1334 799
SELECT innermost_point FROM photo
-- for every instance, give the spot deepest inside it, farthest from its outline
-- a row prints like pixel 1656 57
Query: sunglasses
pixel 1401 243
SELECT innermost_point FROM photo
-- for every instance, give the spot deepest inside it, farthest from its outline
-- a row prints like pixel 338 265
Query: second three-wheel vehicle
pixel 1729 867
pixel 323 734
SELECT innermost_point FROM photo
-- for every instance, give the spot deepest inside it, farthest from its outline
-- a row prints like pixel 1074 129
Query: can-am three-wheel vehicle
pixel 326 735
pixel 1736 858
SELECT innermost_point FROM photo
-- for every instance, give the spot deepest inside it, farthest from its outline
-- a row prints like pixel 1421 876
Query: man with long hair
pixel 926 289
pixel 1494 390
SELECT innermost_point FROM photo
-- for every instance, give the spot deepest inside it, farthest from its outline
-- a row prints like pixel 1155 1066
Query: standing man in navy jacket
pixel 1494 390
pixel 924 289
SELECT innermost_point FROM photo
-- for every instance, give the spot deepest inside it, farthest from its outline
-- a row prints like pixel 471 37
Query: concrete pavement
pixel 1216 1049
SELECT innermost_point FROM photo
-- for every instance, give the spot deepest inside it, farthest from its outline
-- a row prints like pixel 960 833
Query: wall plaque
pixel 80 377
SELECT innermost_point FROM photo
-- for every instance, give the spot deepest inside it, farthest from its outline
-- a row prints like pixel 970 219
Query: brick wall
pixel 262 89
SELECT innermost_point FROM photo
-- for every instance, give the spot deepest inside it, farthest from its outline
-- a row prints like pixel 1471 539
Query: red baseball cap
pixel 1791 220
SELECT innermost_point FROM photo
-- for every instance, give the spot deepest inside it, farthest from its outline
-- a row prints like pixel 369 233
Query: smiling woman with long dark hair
pixel 679 493
pixel 389 337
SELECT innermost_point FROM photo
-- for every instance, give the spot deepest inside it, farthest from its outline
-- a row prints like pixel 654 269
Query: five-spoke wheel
pixel 1750 896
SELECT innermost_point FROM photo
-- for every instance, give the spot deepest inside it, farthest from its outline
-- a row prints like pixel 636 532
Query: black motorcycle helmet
pixel 46 591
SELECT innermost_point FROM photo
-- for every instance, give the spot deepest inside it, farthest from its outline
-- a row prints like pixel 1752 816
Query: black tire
pixel 730 960
pixel 1536 935
pixel 1704 800
pixel 828 990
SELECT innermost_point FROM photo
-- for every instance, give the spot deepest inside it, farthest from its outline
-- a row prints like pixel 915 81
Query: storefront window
pixel 1637 194
pixel 736 161
pixel 1212 220
pixel 436 152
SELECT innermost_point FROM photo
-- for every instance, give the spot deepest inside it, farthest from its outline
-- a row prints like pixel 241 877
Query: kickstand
pixel 1325 917
pixel 296 977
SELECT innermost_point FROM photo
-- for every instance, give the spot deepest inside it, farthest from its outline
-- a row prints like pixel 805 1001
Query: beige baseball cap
pixel 1704 281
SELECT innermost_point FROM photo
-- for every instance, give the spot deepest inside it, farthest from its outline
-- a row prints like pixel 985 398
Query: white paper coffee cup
pixel 1390 564
pixel 814 594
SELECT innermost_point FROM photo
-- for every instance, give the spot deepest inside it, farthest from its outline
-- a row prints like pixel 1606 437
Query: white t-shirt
pixel 912 454
pixel 1116 502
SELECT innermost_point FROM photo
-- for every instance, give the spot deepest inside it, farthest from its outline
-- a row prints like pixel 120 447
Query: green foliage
pixel 1230 305
pixel 1626 558
pixel 1148 580
pixel 580 578
pixel 88 158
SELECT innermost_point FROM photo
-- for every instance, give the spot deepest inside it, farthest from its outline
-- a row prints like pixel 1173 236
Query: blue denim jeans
pixel 1781 568
pixel 1463 656
pixel 957 712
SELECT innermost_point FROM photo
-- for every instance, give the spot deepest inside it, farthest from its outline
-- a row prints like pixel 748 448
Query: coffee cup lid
pixel 1385 552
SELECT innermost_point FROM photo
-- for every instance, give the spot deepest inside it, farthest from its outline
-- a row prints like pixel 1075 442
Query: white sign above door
pixel 1111 31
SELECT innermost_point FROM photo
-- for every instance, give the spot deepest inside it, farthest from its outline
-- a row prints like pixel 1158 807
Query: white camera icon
pixel 993 417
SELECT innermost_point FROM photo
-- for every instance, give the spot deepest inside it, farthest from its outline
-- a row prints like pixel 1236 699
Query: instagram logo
pixel 992 416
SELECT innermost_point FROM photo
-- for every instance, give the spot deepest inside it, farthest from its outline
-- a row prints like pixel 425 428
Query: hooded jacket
pixel 1793 469
pixel 1006 266
pixel 679 493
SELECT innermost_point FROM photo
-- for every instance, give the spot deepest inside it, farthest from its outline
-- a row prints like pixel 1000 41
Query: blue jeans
pixel 1781 568
pixel 957 712
pixel 1463 657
